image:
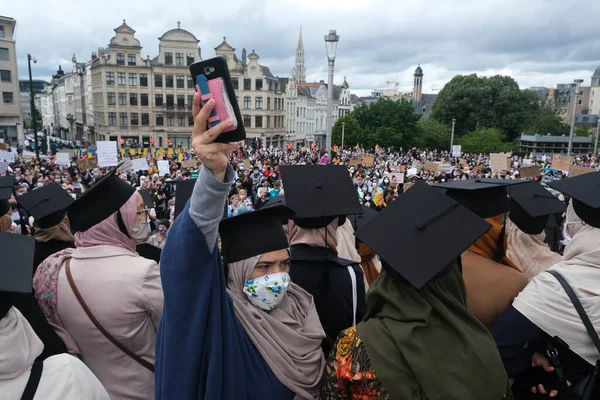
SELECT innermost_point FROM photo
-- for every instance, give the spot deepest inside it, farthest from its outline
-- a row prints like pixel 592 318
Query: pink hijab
pixel 314 237
pixel 45 280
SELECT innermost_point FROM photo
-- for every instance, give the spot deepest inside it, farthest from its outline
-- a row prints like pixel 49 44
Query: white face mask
pixel 140 232
pixel 266 292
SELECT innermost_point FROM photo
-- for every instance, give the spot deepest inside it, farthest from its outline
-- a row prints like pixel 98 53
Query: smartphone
pixel 213 80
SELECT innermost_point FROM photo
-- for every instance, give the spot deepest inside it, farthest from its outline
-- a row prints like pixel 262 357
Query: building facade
pixel 595 92
pixel 11 127
pixel 546 144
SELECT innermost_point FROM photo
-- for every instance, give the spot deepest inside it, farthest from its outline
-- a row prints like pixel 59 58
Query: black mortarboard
pixel 100 201
pixel 421 219
pixel 148 251
pixel 358 220
pixel 254 233
pixel 531 205
pixel 147 197
pixel 319 193
pixel 16 268
pixel 183 192
pixel 277 202
pixel 484 199
pixel 47 205
pixel 585 192
pixel 6 191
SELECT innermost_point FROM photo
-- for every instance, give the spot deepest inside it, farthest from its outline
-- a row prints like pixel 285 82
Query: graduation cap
pixel 358 220
pixel 319 193
pixel 47 205
pixel 147 197
pixel 100 201
pixel 148 251
pixel 277 202
pixel 183 193
pixel 485 197
pixel 531 205
pixel 16 268
pixel 585 192
pixel 421 219
pixel 239 238
pixel 6 191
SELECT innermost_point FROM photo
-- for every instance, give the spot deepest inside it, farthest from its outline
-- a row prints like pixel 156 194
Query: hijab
pixel 288 337
pixel 378 199
pixel 314 237
pixel 426 339
pixel 5 223
pixel 545 303
pixel 61 232
pixel 369 263
pixel 487 245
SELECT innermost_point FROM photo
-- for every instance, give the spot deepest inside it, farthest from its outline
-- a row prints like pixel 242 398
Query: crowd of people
pixel 254 273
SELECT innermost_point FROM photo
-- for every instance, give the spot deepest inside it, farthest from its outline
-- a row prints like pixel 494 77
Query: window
pixel 1 31
pixel 145 119
pixel 121 78
pixel 130 59
pixel 258 84
pixel 112 118
pixel 7 97
pixel 110 78
pixel 158 100
pixel 133 99
pixel 235 83
pixel 134 119
pixel 168 58
pixel 144 99
pixel 132 79
pixel 179 59
pixel 258 121
pixel 120 59
pixel 190 82
pixel 247 100
pixel 181 121
pixel 122 99
pixel 169 80
pixel 579 101
pixel 158 80
pixel 170 120
pixel 160 120
pixel 170 101
pixel 247 84
pixel 123 119
pixel 4 75
pixel 111 99
pixel 190 100
pixel 180 81
pixel 258 102
pixel 190 58
pixel 144 80
pixel 181 100
pixel 248 121
pixel 268 121
pixel 268 103
pixel 190 120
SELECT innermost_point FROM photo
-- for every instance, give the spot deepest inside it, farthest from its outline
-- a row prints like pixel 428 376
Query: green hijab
pixel 427 342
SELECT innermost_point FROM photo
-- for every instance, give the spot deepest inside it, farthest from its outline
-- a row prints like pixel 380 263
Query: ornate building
pixel 299 73
pixel 423 102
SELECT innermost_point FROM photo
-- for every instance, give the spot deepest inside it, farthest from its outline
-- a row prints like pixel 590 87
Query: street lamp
pixel 596 143
pixel 33 116
pixel 452 137
pixel 343 129
pixel 577 83
pixel 331 42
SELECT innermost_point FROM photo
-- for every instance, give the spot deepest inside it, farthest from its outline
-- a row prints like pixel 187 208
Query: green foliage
pixel 490 140
pixel 433 135
pixel 352 131
pixel 581 131
pixel 545 121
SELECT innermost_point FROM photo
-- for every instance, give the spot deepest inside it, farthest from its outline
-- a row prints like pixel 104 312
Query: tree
pixel 581 131
pixel 433 135
pixel 352 131
pixel 545 121
pixel 489 140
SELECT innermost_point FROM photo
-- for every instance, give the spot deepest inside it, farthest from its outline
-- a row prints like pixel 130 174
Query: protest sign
pixel 478 168
pixel 412 171
pixel 456 150
pixel 407 186
pixel 163 167
pixel 500 161
pixel 126 166
pixel 193 164
pixel 3 167
pixel 355 161
pixel 396 168
pixel 107 154
pixel 574 170
pixel 431 166
pixel 445 167
pixel 395 178
pixel 139 164
pixel 86 164
pixel 63 158
pixel 562 163
pixel 530 172
pixel 527 162
pixel 368 160
pixel 463 162
pixel 7 157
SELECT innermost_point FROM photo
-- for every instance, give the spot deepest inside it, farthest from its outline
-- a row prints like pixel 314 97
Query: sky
pixel 537 42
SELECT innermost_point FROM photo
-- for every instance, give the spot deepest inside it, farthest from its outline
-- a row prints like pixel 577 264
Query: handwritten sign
pixel 431 166
pixel 7 157
pixel 530 172
pixel 190 164
pixel 86 164
pixel 500 161
pixel 456 150
pixel 127 166
pixel 107 154
pixel 368 160
pixel 63 158
pixel 562 163
pixel 574 170
pixel 163 167
pixel 139 164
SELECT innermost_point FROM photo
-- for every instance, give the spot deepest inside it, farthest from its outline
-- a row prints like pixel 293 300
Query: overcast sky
pixel 537 42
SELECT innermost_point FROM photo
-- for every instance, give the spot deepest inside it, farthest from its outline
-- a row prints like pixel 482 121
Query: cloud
pixel 537 42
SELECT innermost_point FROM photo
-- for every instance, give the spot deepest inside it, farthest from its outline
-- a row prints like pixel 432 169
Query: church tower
pixel 418 84
pixel 299 74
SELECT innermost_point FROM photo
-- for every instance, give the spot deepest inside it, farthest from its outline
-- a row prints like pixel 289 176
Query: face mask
pixel 386 181
pixel 162 231
pixel 140 232
pixel 58 180
pixel 266 292
pixel 368 198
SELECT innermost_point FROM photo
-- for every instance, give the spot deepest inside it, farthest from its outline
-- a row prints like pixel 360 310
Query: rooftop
pixel 555 139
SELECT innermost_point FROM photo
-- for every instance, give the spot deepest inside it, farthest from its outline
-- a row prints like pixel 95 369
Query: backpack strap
pixel 33 381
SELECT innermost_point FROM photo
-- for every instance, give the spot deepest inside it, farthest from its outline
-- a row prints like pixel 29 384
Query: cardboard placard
pixel 139 164
pixel 412 171
pixel 63 158
pixel 86 164
pixel 500 161
pixel 575 170
pixel 562 163
pixel 107 153
pixel 528 162
pixel 456 150
pixel 396 168
pixel 163 168
pixel 395 177
pixel 355 161
pixel 478 168
pixel 445 167
pixel 7 157
pixel 463 162
pixel 407 186
pixel 189 163
pixel 431 166
pixel 368 160
pixel 530 172
pixel 127 166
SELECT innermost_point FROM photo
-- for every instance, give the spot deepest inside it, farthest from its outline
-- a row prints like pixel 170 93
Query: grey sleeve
pixel 207 203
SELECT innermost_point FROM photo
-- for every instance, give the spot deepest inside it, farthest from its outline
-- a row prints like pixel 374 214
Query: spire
pixel 299 73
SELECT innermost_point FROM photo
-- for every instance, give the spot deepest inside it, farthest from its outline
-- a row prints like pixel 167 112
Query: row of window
pixel 159 99
pixel 133 119
pixel 259 119
pixel 170 80
pixel 258 84
pixel 258 103
pixel 179 59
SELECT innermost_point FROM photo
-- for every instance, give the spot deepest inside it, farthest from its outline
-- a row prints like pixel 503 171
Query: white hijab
pixel 545 303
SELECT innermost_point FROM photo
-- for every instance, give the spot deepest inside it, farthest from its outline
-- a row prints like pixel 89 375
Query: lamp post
pixel 577 83
pixel 33 116
pixel 596 144
pixel 452 136
pixel 331 41
pixel 343 131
